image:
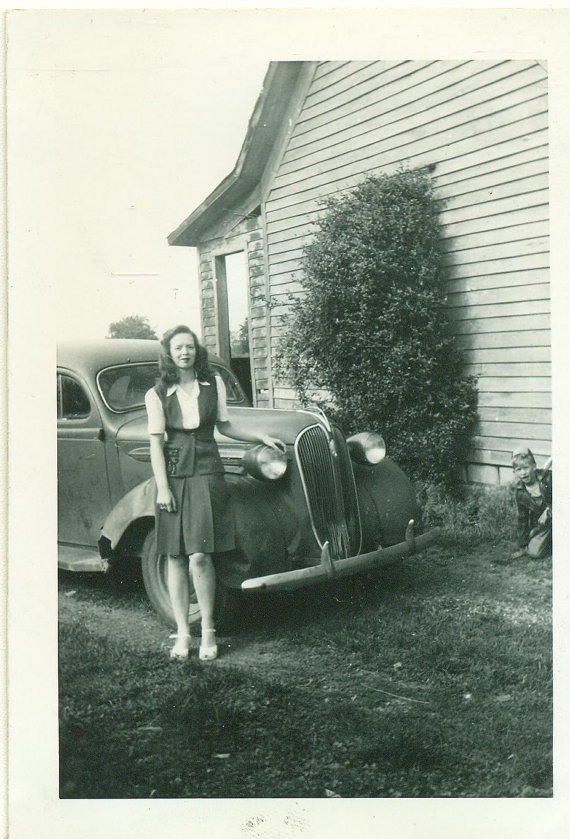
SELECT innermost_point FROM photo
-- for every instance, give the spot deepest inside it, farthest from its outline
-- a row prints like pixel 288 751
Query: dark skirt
pixel 203 521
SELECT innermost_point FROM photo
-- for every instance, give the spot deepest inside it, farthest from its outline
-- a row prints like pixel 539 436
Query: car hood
pixel 285 425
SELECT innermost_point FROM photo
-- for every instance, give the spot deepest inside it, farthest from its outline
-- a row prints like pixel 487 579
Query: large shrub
pixel 371 328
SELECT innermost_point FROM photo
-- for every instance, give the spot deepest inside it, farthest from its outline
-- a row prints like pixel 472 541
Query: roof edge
pixel 262 131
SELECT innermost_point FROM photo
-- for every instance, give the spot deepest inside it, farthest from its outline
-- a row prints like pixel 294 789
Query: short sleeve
pixel 222 414
pixel 155 412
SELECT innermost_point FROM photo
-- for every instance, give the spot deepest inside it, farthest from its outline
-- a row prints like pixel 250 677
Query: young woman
pixel 193 515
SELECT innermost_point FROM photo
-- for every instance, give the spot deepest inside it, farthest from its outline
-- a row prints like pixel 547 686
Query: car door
pixel 83 487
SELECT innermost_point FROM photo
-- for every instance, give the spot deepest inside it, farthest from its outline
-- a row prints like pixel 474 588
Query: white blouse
pixel 188 405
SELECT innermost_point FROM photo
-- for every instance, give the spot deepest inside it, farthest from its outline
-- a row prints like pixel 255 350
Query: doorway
pixel 233 316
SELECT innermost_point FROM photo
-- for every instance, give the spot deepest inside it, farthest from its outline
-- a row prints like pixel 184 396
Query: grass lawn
pixel 434 681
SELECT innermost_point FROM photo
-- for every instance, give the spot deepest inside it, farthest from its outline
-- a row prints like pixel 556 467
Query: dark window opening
pixel 72 401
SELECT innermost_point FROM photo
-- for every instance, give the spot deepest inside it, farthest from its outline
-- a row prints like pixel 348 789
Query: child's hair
pixel 522 454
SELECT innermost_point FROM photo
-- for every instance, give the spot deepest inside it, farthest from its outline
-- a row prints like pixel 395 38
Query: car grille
pixel 326 470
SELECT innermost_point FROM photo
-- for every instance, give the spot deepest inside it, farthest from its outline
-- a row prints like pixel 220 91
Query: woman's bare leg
pixel 204 578
pixel 179 592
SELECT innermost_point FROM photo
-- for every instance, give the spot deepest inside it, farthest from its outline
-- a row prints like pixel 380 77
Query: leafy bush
pixel 371 327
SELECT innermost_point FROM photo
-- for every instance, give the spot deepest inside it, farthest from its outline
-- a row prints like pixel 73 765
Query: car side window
pixel 234 393
pixel 72 401
pixel 123 387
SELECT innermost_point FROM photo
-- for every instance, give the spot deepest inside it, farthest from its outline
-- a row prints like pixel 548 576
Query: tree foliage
pixel 371 327
pixel 132 326
pixel 239 340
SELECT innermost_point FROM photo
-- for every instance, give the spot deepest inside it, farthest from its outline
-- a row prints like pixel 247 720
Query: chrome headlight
pixel 265 463
pixel 367 447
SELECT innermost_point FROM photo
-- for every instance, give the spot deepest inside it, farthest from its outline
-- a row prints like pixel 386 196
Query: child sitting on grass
pixel 533 493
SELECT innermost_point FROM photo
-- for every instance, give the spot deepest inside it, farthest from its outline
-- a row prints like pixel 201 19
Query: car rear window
pixel 123 387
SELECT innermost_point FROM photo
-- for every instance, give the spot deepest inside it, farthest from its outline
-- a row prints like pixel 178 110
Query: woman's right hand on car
pixel 165 500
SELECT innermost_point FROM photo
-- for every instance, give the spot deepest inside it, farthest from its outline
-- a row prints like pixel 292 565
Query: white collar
pixel 173 388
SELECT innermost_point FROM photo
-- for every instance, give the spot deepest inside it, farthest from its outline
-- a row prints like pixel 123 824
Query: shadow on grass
pixel 416 685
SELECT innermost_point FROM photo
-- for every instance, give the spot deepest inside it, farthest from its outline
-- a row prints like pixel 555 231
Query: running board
pixel 72 558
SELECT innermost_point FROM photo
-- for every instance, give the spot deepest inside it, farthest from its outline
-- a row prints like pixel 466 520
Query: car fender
pixel 272 530
pixel 138 503
pixel 387 502
pixel 267 524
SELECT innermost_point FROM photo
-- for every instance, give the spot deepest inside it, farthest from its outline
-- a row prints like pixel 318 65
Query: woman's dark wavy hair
pixel 169 371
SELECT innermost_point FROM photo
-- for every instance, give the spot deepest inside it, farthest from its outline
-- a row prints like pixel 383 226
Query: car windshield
pixel 123 387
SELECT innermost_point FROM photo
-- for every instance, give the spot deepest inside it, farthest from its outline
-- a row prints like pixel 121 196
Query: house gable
pixel 231 221
pixel 240 191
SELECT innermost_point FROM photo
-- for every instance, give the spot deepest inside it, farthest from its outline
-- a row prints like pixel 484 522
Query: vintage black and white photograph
pixel 294 303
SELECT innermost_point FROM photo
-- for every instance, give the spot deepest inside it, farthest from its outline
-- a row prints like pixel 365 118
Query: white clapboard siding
pixel 504 355
pixel 494 457
pixel 533 333
pixel 497 227
pixel 509 369
pixel 432 99
pixel 506 331
pixel 503 160
pixel 519 238
pixel 481 127
pixel 436 107
pixel 514 384
pixel 506 415
pixel 362 77
pixel 528 232
pixel 491 172
pixel 512 399
pixel 519 217
pixel 516 278
pixel 330 182
pixel 457 128
pixel 505 294
pixel 465 271
pixel 504 444
pixel 435 110
pixel 496 210
pixel 479 155
pixel 526 430
pixel 528 262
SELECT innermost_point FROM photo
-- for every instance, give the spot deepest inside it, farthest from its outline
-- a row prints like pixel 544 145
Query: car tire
pixel 155 571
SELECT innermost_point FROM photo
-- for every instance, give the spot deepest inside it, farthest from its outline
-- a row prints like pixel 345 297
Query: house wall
pixel 247 235
pixel 483 127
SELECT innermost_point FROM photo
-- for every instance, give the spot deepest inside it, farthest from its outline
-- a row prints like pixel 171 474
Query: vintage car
pixel 331 507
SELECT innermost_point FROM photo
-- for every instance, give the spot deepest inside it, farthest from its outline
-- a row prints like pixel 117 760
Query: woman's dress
pixel 203 521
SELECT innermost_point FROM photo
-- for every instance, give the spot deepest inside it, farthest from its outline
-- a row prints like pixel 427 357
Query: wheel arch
pixel 128 523
pixel 132 540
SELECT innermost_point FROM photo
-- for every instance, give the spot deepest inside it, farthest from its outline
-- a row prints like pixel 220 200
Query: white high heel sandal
pixel 208 647
pixel 179 651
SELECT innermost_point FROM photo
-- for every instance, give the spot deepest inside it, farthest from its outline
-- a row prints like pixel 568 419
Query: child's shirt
pixel 533 507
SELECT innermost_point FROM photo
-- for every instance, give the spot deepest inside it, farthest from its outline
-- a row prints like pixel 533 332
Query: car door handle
pixel 142 454
pixel 101 435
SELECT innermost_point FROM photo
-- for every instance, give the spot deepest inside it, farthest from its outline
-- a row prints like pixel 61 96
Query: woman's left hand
pixel 274 443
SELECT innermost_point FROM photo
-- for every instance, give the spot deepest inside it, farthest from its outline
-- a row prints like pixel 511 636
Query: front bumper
pixel 329 569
